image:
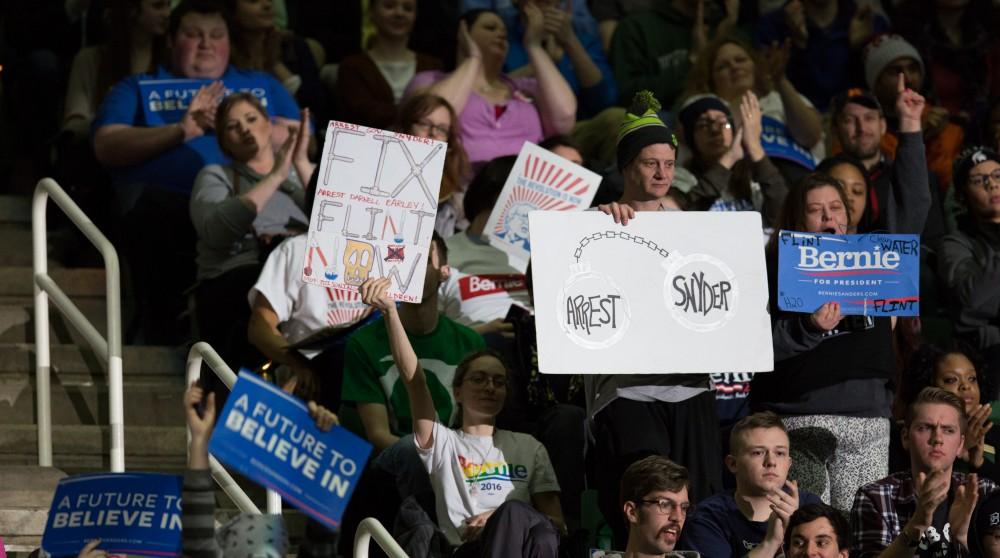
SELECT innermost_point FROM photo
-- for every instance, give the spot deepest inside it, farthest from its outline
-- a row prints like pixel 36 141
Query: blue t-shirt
pixel 718 529
pixel 162 98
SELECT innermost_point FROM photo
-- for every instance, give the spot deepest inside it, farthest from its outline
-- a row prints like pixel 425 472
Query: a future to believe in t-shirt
pixel 475 474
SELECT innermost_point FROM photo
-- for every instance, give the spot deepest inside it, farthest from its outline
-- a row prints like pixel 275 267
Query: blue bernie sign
pixel 868 274
pixel 164 101
pixel 132 513
pixel 777 141
pixel 268 436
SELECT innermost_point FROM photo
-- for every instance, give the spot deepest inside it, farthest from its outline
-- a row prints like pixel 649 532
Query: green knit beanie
pixel 641 127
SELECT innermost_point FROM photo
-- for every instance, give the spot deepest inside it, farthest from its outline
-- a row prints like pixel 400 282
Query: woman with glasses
pixel 429 116
pixel 969 258
pixel 370 84
pixel 497 112
pixel 495 491
pixel 733 171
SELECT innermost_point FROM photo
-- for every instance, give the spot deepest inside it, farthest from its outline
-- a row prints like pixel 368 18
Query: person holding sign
pixel 677 412
pixel 498 113
pixel 496 493
pixel 832 378
pixel 246 535
pixel 241 211
pixel 969 260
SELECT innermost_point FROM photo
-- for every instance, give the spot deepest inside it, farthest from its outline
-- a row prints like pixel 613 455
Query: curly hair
pixel 922 368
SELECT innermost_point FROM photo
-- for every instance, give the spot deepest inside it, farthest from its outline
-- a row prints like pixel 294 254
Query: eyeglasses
pixel 979 180
pixel 480 380
pixel 434 130
pixel 665 507
pixel 710 124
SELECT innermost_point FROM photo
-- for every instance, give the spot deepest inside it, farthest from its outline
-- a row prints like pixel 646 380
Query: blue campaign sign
pixel 868 274
pixel 164 101
pixel 268 436
pixel 132 513
pixel 777 141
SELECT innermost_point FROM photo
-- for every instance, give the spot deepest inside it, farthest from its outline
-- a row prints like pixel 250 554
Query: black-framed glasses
pixel 666 507
pixel 435 130
pixel 979 180
pixel 480 380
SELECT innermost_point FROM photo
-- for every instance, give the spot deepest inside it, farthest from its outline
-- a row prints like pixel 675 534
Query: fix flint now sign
pixel 868 274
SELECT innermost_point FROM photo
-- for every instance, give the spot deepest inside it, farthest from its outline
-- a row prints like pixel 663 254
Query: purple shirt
pixel 484 136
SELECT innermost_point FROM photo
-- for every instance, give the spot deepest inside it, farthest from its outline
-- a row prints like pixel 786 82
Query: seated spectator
pixel 751 521
pixel 826 38
pixel 430 116
pixel 837 413
pixel 733 171
pixel 565 147
pixel 926 510
pixel 371 380
pixel 885 58
pixel 985 533
pixel 960 47
pixel 859 124
pixel 574 49
pixel 497 112
pixel 729 68
pixel 370 84
pixel 155 150
pixel 854 178
pixel 654 500
pixel 483 285
pixel 959 370
pixel 241 211
pixel 137 44
pixel 968 260
pixel 817 531
pixel 248 534
pixel 259 44
pixel 676 412
pixel 481 507
pixel 654 49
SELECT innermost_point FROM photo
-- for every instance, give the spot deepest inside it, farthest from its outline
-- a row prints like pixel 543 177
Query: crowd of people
pixel 870 437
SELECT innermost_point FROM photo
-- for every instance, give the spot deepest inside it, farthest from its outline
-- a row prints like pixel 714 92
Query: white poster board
pixel 540 180
pixel 374 213
pixel 670 292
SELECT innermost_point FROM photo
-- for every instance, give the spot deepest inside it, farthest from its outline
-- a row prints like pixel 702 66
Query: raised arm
pixel 556 101
pixel 804 122
pixel 374 293
pixel 910 194
pixel 457 87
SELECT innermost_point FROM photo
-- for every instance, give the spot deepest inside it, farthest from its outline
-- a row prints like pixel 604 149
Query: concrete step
pixel 24 502
pixel 15 246
pixel 146 403
pixel 15 210
pixel 75 282
pixel 79 448
pixel 74 364
pixel 17 320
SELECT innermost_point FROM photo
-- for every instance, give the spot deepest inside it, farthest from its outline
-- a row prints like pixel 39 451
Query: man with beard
pixel 654 499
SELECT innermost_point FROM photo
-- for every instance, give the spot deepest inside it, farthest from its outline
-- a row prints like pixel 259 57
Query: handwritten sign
pixel 777 142
pixel 164 101
pixel 132 513
pixel 374 212
pixel 540 180
pixel 268 436
pixel 868 274
pixel 670 292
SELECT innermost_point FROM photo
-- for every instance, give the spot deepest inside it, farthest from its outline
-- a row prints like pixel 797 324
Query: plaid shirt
pixel 882 508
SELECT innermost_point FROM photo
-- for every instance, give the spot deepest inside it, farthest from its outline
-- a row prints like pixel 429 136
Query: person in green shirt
pixel 371 380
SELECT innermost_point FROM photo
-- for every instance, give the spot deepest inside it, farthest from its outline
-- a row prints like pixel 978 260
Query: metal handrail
pixel 203 352
pixel 108 350
pixel 370 528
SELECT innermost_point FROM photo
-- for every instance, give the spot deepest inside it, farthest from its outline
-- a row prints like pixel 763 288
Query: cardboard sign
pixel 868 274
pixel 670 292
pixel 132 513
pixel 375 207
pixel 541 180
pixel 269 437
pixel 777 141
pixel 164 101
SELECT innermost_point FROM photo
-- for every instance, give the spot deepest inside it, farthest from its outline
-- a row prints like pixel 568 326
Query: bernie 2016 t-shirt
pixel 475 474
pixel 371 376
pixel 160 99
pixel 717 527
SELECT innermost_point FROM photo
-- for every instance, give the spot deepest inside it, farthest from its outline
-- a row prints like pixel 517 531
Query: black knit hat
pixel 968 159
pixel 641 127
pixel 695 107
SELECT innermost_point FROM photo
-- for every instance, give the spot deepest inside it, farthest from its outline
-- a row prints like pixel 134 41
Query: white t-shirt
pixel 475 474
pixel 475 299
pixel 302 309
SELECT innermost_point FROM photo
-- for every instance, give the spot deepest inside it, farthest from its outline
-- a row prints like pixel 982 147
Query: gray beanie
pixel 882 51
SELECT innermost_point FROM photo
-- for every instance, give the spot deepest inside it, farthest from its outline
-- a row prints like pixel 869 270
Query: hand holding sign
pixel 826 317
pixel 620 212
pixel 91 550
